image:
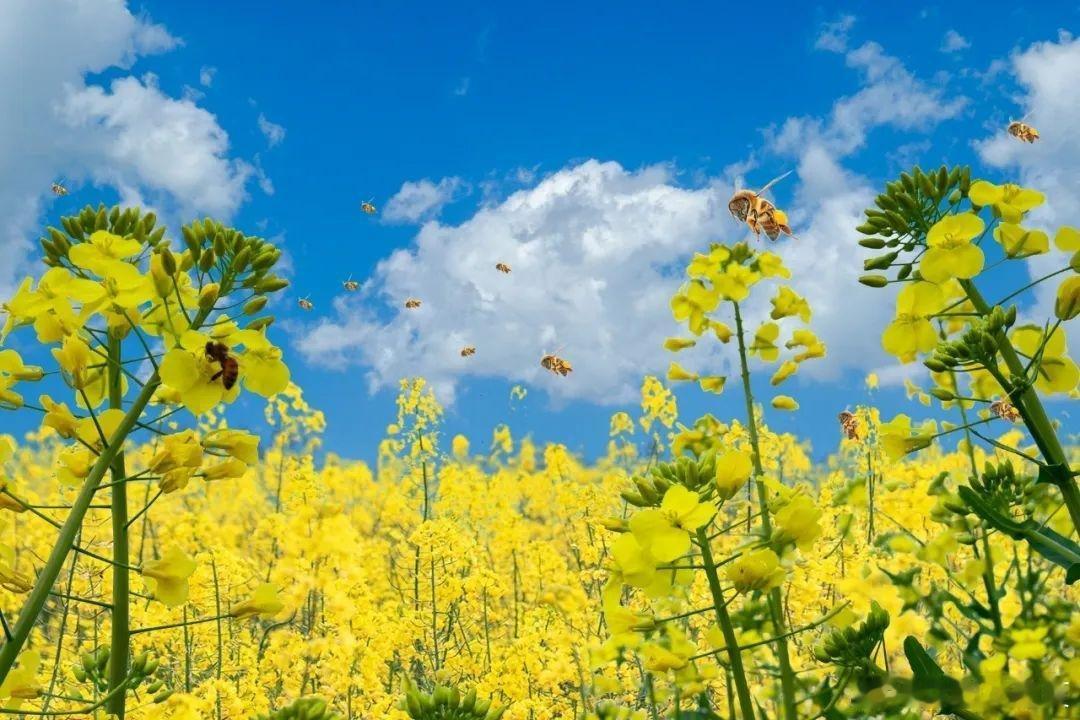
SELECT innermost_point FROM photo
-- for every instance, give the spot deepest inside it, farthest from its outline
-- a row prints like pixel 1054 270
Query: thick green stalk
pixel 776 601
pixel 35 601
pixel 120 649
pixel 738 674
pixel 1030 406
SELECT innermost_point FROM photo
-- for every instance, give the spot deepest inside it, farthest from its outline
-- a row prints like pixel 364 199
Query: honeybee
pixel 412 304
pixel 503 268
pixel 59 190
pixel 305 304
pixel 467 351
pixel 350 284
pixel 1005 410
pixel 758 213
pixel 1022 131
pixel 849 425
pixel 555 364
pixel 368 207
pixel 230 368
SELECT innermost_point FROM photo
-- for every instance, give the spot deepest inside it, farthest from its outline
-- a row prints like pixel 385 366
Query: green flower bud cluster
pixel 128 222
pixel 977 345
pixel 448 703
pixel 310 708
pixel 853 646
pixel 93 668
pixel 1004 489
pixel 902 214
pixel 693 474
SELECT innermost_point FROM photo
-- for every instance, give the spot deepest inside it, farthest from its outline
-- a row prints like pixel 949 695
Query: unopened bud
pixel 208 296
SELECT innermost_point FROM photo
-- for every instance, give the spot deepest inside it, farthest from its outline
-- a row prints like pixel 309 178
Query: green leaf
pixel 929 682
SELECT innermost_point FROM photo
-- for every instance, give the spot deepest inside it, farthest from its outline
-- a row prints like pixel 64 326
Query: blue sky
pixel 326 105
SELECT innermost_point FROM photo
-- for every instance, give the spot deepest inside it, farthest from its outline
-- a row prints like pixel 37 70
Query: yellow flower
pixel 103 251
pixel 756 570
pixel 265 603
pixel 632 561
pixel 677 373
pixel 1057 371
pixel 764 344
pixel 911 332
pixel 812 347
pixel 231 468
pixel 665 532
pixel 261 367
pixel 11 579
pixel 58 417
pixel 771 265
pixel 713 383
pixel 675 344
pixel 169 577
pixel 951 253
pixel 786 370
pixel 897 439
pixel 1067 239
pixel 178 450
pixel 692 303
pixel 75 463
pixel 187 370
pixel 1009 202
pixel 788 303
pixel 784 402
pixel 73 356
pixel 735 281
pixel 21 682
pixel 798 521
pixel 108 421
pixel 460 446
pixel 1028 644
pixel 1067 303
pixel 723 332
pixel 733 470
pixel 237 443
pixel 1019 242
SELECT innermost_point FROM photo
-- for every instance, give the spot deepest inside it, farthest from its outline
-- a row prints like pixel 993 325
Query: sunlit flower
pixel 951 253
pixel 1020 242
pixel 898 438
pixel 784 402
pixel 911 331
pixel 237 443
pixel 168 577
pixel 675 344
pixel 755 570
pixel 692 303
pixel 21 682
pixel 1058 372
pixel 788 303
pixel 764 343
pixel 666 531
pixel 633 561
pixel 798 521
pixel 187 370
pixel 1009 202
pixel 733 470
pixel 102 252
pixel 677 373
pixel 1028 644
pixel 264 603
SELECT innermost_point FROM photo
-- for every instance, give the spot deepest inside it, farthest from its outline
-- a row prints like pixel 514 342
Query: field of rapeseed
pixel 157 563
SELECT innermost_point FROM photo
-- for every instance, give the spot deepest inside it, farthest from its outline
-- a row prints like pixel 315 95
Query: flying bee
pixel 467 351
pixel 350 284
pixel 59 190
pixel 1022 131
pixel 1005 410
pixel 368 207
pixel 412 304
pixel 305 304
pixel 758 213
pixel 555 364
pixel 503 268
pixel 849 425
pixel 230 368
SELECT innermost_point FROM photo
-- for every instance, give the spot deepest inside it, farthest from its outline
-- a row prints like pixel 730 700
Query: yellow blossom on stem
pixel 784 402
pixel 692 303
pixel 898 438
pixel 237 443
pixel 788 303
pixel 911 331
pixel 21 683
pixel 675 344
pixel 632 561
pixel 798 522
pixel 1028 644
pixel 764 343
pixel 1020 242
pixel 1067 239
pixel 1058 372
pixel 187 370
pixel 103 251
pixel 951 253
pixel 755 570
pixel 677 373
pixel 713 383
pixel 58 417
pixel 786 370
pixel 264 603
pixel 1009 202
pixel 665 532
pixel 231 468
pixel 733 470
pixel 168 577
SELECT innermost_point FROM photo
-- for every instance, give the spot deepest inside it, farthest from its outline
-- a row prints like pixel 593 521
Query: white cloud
pixel 834 35
pixel 422 199
pixel 1050 101
pixel 462 87
pixel 151 147
pixel 206 75
pixel 954 42
pixel 591 248
pixel 273 132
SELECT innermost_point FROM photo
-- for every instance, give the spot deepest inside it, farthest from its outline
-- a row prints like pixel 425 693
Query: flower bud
pixel 874 281
pixel 163 281
pixel 270 284
pixel 206 261
pixel 254 305
pixel 208 296
pixel 872 243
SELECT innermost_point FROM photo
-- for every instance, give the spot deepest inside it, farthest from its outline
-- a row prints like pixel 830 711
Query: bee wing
pixel 773 182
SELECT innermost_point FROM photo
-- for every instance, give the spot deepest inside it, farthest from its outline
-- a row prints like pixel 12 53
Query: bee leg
pixel 216 375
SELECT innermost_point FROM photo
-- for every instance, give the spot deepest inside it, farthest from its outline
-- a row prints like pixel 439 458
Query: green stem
pixel 742 689
pixel 1031 409
pixel 776 603
pixel 120 649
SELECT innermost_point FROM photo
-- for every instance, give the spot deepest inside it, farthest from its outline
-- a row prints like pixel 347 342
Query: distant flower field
pixel 157 563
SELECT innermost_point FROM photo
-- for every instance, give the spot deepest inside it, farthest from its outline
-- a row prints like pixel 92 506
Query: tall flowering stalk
pixel 939 228
pixel 116 295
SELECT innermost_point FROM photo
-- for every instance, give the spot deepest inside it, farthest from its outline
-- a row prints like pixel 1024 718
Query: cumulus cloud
pixel 206 75
pixel 1049 99
pixel 152 148
pixel 422 200
pixel 273 132
pixel 590 247
pixel 954 42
